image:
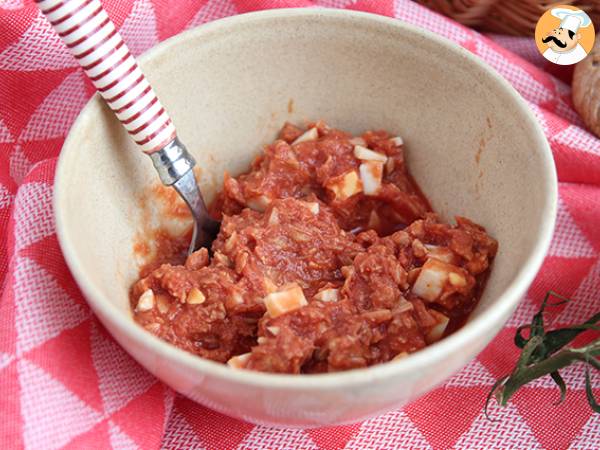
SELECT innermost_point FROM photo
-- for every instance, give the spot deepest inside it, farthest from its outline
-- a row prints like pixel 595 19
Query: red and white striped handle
pixel 88 32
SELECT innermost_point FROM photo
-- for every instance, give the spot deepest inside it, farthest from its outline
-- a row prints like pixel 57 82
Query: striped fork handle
pixel 90 35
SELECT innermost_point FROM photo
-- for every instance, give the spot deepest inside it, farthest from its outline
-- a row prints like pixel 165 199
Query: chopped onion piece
pixel 437 331
pixel 419 250
pixel 365 154
pixel 398 141
pixel 230 242
pixel 436 275
pixel 457 280
pixel 345 186
pixel 261 340
pixel 222 259
pixel 195 297
pixel 309 135
pixel 328 295
pixel 371 173
pixel 273 330
pixel 441 253
pixel 281 302
pixel 240 361
pixel 431 280
pixel 146 301
pixel 259 203
pixel 390 165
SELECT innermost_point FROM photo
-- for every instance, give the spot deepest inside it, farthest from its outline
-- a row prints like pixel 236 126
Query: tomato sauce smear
pixel 329 258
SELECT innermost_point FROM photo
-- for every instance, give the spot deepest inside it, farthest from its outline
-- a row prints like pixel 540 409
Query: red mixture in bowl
pixel 329 258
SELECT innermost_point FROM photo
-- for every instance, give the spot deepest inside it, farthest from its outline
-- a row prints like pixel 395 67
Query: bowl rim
pixel 470 332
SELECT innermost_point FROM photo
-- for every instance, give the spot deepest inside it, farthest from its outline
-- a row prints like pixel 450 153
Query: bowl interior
pixel 229 87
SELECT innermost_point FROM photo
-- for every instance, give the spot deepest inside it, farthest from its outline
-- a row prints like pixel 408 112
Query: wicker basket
pixel 516 17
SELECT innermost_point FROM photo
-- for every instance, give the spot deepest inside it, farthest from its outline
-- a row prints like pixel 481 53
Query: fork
pixel 92 38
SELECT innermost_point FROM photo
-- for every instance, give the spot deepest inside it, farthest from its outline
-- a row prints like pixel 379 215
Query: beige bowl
pixel 472 144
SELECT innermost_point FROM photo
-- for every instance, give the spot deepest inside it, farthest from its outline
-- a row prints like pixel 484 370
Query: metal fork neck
pixel 172 162
pixel 174 166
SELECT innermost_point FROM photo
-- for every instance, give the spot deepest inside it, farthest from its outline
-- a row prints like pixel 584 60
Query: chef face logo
pixel 561 40
pixel 564 35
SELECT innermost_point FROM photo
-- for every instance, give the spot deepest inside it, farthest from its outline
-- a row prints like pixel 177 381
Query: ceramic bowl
pixel 471 142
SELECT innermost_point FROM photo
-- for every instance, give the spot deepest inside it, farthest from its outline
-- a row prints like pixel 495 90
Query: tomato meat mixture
pixel 329 258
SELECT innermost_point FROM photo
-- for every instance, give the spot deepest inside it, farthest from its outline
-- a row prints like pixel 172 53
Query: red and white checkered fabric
pixel 65 383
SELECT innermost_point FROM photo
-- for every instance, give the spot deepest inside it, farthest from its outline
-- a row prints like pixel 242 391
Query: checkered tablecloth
pixel 65 383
